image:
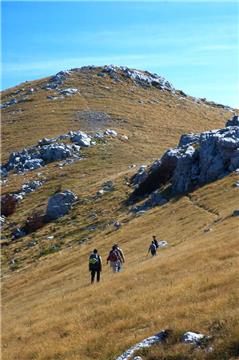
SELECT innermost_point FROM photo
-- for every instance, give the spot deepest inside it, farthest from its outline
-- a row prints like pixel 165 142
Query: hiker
pixel 152 249
pixel 121 256
pixel 95 265
pixel 155 241
pixel 115 259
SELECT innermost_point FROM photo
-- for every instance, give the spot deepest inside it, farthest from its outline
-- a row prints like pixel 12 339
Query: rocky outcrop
pixel 52 149
pixel 37 156
pixel 197 160
pixel 139 77
pixel 59 204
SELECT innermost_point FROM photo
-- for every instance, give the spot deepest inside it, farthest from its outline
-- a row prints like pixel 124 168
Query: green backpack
pixel 94 262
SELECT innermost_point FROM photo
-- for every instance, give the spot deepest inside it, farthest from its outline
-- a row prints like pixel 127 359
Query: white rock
pixel 111 132
pixel 192 338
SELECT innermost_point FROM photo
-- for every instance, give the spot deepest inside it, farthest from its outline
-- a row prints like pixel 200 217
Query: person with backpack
pixel 155 241
pixel 95 265
pixel 122 258
pixel 115 259
pixel 152 249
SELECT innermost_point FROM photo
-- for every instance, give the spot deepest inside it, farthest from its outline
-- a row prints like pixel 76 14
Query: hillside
pixel 49 309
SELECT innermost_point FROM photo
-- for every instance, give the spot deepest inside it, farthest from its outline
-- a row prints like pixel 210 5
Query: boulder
pixel 59 204
pixel 111 132
pixel 31 186
pixel 81 138
pixel 8 204
pixel 54 152
pixel 194 338
pixel 69 91
pixel 108 186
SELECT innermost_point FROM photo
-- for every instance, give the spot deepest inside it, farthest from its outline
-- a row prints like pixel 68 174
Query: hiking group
pixel 115 258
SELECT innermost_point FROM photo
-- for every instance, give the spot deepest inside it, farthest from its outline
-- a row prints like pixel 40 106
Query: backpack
pixel 156 243
pixel 153 248
pixel 94 262
pixel 113 256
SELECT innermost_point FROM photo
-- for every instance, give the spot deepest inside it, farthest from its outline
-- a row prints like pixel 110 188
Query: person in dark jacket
pixel 95 265
pixel 152 249
pixel 155 241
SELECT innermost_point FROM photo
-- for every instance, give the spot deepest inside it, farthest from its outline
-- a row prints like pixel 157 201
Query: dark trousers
pixel 93 272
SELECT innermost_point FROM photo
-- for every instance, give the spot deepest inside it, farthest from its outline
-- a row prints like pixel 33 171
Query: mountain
pixel 73 147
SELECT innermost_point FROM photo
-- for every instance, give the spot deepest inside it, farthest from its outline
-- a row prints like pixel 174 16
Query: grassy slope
pixel 50 311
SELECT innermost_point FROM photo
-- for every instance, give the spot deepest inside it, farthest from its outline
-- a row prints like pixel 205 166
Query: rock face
pixel 198 159
pixel 60 204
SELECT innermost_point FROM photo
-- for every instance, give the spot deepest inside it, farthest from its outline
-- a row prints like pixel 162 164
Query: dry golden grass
pixel 49 309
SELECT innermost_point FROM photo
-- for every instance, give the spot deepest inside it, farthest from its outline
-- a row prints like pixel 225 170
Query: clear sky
pixel 192 44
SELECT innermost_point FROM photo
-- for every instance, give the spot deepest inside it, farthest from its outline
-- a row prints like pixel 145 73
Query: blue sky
pixel 192 44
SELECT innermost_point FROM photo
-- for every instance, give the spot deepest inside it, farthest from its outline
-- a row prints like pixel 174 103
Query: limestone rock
pixel 199 159
pixel 234 121
pixel 81 138
pixel 59 204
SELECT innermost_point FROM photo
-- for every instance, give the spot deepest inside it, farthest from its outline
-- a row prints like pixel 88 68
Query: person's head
pixel 154 237
pixel 95 251
pixel 114 247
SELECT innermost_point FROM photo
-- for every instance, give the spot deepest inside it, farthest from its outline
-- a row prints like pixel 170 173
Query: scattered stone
pixel 108 186
pixel 60 204
pixel 81 138
pixel 110 132
pixel 124 138
pixel 194 338
pixel 117 225
pixel 69 91
pixel 31 186
pixel 31 244
pixel 51 237
pixel 100 192
pixel 159 337
pixel 163 244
